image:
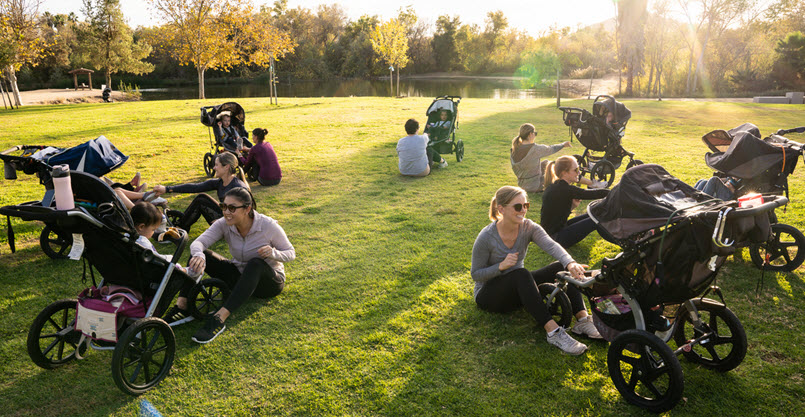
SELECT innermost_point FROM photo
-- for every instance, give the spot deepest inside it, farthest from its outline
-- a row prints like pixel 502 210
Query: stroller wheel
pixel 52 339
pixel 645 371
pixel 785 251
pixel 209 162
pixel 603 170
pixel 459 149
pixel 55 243
pixel 722 352
pixel 143 355
pixel 207 297
pixel 559 306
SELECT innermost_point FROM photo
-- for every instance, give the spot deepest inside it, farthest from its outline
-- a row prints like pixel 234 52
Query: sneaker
pixel 211 329
pixel 163 226
pixel 136 180
pixel 443 164
pixel 598 184
pixel 159 201
pixel 585 327
pixel 567 344
pixel 176 316
pixel 149 196
pixel 140 187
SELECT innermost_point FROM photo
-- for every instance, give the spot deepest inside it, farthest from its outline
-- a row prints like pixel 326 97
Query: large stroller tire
pixel 143 355
pixel 207 297
pixel 722 352
pixel 559 307
pixel 645 371
pixel 785 251
pixel 459 149
pixel 52 338
pixel 55 243
pixel 209 162
pixel 603 170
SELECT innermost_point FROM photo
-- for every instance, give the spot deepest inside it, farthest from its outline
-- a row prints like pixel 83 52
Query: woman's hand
pixel 510 261
pixel 576 270
pixel 567 145
pixel 160 189
pixel 197 263
pixel 265 251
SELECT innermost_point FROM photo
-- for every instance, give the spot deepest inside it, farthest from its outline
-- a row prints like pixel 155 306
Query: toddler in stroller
pixel 227 123
pixel 674 241
pixel 600 131
pixel 122 312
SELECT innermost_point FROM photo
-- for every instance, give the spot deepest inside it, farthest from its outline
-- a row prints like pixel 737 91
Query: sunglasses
pixel 229 207
pixel 521 206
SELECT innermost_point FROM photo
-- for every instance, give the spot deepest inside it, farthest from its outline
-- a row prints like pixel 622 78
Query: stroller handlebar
pixel 565 276
pixel 783 132
pixel 771 203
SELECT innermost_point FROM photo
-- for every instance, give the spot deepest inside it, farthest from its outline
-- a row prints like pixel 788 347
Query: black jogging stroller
pixel 442 134
pixel 761 166
pixel 597 136
pixel 674 240
pixel 122 312
pixel 209 117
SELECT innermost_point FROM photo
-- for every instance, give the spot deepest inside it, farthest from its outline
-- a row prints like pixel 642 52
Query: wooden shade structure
pixel 82 71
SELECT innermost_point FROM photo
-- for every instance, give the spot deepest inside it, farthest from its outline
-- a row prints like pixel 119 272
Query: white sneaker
pixel 443 164
pixel 585 327
pixel 598 184
pixel 567 344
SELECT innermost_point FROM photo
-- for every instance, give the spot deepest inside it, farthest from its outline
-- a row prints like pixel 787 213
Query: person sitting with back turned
pixel 415 157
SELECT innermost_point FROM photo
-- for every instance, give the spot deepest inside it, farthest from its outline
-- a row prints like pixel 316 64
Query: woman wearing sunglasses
pixel 503 285
pixel 259 247
pixel 227 176
pixel 560 198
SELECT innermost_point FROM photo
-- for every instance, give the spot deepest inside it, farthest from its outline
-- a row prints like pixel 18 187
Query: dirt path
pixel 65 96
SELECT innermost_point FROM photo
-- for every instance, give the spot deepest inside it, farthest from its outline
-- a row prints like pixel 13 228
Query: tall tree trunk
pixel 690 70
pixel 201 84
pixel 12 78
pixel 398 83
pixel 108 79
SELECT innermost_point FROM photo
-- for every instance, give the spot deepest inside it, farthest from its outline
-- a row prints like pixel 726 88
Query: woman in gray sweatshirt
pixel 503 285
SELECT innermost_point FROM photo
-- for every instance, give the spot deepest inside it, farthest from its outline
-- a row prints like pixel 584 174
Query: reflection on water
pixel 466 88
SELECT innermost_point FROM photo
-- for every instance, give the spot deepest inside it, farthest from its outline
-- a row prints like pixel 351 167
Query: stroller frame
pixel 209 116
pixel 448 143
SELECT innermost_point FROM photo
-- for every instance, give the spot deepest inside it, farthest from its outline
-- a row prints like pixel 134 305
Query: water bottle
pixel 63 188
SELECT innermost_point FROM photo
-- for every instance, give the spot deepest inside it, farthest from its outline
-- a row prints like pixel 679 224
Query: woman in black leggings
pixel 502 284
pixel 259 248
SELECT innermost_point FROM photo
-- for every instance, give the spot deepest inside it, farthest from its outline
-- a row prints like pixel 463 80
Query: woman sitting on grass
pixel 258 246
pixel 263 156
pixel 227 176
pixel 560 198
pixel 503 285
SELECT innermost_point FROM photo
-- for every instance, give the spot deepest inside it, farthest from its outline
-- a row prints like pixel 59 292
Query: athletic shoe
pixel 136 180
pixel 211 329
pixel 140 187
pixel 585 327
pixel 443 164
pixel 177 315
pixel 598 184
pixel 567 344
pixel 149 196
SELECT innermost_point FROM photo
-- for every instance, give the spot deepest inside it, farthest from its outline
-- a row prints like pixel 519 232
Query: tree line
pixel 662 47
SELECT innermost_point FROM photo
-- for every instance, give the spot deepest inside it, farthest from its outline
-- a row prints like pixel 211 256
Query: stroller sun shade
pixel 645 198
pixel 438 105
pixel 96 157
pixel 621 112
pixel 747 156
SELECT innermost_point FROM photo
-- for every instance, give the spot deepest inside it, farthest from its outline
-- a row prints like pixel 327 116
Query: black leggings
pixel 518 288
pixel 574 231
pixel 268 183
pixel 258 279
pixel 202 205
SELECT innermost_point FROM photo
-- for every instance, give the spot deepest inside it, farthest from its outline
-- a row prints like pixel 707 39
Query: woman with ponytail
pixel 259 247
pixel 227 176
pixel 559 200
pixel 503 285
pixel 263 158
pixel 526 156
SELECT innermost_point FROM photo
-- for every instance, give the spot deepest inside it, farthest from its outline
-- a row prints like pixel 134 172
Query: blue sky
pixel 533 16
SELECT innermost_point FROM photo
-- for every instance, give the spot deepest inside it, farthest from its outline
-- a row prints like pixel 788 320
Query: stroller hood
pixel 645 198
pixel 442 104
pixel 621 112
pixel 236 112
pixel 747 156
pixel 96 157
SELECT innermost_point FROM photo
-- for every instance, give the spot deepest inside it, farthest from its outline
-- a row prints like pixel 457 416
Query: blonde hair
pixel 553 169
pixel 226 158
pixel 503 196
pixel 525 130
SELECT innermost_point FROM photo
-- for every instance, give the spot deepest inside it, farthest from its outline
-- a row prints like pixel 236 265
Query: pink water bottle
pixel 63 187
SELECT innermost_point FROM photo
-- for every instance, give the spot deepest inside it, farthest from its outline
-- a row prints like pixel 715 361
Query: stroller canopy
pixel 741 153
pixel 609 105
pixel 210 114
pixel 96 157
pixel 645 198
pixel 441 104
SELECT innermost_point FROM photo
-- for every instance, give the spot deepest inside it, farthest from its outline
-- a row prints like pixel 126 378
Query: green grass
pixel 378 316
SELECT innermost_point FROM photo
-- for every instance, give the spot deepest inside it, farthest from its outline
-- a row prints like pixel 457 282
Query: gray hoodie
pixel 528 170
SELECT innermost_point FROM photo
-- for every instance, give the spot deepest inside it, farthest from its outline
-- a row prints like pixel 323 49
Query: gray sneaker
pixel 585 327
pixel 567 344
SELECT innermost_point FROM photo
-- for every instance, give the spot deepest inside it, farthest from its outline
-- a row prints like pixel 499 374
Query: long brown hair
pixel 227 158
pixel 503 196
pixel 553 169
pixel 525 130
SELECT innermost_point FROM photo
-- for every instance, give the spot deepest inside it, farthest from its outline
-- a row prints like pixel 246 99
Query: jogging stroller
pixel 442 133
pixel 122 312
pixel 210 117
pixel 761 166
pixel 596 135
pixel 674 240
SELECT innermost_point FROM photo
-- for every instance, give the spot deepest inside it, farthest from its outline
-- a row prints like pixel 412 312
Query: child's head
pixel 146 218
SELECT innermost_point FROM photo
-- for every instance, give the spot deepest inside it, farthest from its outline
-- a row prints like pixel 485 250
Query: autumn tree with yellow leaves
pixel 390 42
pixel 20 37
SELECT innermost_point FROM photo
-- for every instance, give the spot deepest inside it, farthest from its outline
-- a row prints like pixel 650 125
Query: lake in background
pixel 466 88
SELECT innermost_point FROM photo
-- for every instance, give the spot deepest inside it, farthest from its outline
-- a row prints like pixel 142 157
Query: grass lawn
pixel 378 317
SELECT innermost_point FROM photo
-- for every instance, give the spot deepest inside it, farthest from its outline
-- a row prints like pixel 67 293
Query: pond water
pixel 466 88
